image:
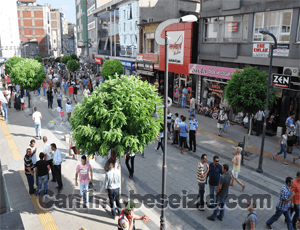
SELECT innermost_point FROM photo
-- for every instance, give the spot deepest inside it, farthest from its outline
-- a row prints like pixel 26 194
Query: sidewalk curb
pixel 250 148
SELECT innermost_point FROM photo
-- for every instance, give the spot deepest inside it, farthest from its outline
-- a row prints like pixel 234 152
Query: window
pixel 54 41
pixel 298 35
pixel 150 44
pixel 226 29
pixel 277 22
pixel 48 18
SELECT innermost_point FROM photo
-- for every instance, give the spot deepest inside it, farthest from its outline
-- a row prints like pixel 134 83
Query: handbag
pixel 221 121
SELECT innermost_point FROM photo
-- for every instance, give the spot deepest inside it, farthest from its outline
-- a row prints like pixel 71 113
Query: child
pixel 61 115
pixel 283 143
pixel 22 102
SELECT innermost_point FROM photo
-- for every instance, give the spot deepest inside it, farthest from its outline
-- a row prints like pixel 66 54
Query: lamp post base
pixel 259 170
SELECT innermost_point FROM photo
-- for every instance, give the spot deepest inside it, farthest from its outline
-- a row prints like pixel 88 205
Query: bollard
pixel 242 145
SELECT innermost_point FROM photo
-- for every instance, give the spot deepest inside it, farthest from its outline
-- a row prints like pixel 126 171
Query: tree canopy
pixel 66 58
pixel 38 58
pixel 72 65
pixel 117 116
pixel 112 67
pixel 9 64
pixel 58 59
pixel 247 90
pixel 29 74
pixel 74 56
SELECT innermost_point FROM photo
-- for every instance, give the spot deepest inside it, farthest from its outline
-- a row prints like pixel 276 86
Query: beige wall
pixel 102 2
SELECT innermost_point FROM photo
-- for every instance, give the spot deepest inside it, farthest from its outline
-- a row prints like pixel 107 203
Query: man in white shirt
pixel 57 160
pixel 37 116
pixel 86 91
pixel 48 156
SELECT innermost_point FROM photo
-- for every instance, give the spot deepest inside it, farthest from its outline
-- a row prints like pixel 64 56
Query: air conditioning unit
pixel 292 71
pixel 150 19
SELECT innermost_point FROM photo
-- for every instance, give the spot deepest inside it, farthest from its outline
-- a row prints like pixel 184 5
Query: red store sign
pixel 98 60
pixel 232 27
pixel 147 57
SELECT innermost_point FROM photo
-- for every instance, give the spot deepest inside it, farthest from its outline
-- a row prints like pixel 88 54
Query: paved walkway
pixel 181 176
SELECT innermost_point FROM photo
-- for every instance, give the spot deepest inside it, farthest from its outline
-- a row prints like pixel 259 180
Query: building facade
pixel 229 38
pixel 72 37
pixel 34 24
pixel 56 32
pixel 9 33
pixel 120 30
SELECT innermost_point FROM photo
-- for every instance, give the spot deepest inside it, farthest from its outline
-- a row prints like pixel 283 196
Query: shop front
pixel 128 67
pixel 98 63
pixel 145 65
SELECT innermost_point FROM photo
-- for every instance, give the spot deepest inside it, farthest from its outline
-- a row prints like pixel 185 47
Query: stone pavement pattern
pixel 181 175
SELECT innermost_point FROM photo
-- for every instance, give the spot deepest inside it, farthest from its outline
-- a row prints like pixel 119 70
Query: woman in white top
pixel 222 119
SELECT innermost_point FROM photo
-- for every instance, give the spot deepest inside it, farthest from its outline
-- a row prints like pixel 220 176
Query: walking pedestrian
pixel 59 97
pixel 76 88
pixel 41 169
pixel 175 133
pixel 112 186
pixel 111 159
pixel 193 132
pixel 251 220
pixel 215 171
pixel 221 120
pixel 5 110
pixel 71 90
pixel 28 166
pixel 85 178
pixel 130 156
pixel 65 86
pixel 184 95
pixel 36 117
pixel 127 217
pixel 161 140
pixel 258 119
pixel 202 172
pixel 44 88
pixel 179 104
pixel 183 130
pixel 192 106
pixel 221 194
pixel 22 102
pixel 290 121
pixel 50 97
pixel 283 143
pixel 296 199
pixel 86 91
pixel 48 156
pixel 297 133
pixel 169 120
pixel 57 160
pixel 69 109
pixel 237 167
pixel 283 205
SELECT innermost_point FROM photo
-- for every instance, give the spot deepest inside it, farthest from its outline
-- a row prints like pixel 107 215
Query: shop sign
pixel 216 88
pixel 282 81
pixel 176 47
pixel 98 60
pixel 295 83
pixel 145 72
pixel 260 50
pixel 282 50
pixel 156 66
pixel 144 66
pixel 2 60
pixel 91 9
pixel 147 57
pixel 127 64
pixel 232 27
pixel 212 71
pixel 91 25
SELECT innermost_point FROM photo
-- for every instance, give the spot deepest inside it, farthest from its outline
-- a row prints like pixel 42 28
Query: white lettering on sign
pixel 281 79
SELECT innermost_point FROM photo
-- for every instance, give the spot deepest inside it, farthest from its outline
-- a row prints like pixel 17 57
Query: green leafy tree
pixel 74 56
pixel 247 91
pixel 38 58
pixel 58 59
pixel 29 74
pixel 66 58
pixel 117 116
pixel 111 68
pixel 72 65
pixel 11 62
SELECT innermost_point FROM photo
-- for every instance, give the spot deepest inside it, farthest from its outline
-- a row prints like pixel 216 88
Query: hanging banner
pixel 176 47
pixel 91 25
pixel 260 50
pixel 91 9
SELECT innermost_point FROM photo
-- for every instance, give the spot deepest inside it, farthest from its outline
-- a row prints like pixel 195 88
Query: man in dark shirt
pixel 215 170
pixel 222 193
pixel 28 165
pixel 42 168
pixel 75 92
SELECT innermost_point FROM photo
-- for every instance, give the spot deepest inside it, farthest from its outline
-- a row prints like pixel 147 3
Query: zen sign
pixel 282 81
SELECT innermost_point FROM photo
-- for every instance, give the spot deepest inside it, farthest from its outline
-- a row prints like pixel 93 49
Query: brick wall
pixel 19 23
pixel 18 14
pixel 54 24
pixel 38 14
pixel 26 14
pixel 27 22
pixel 53 16
pixel 42 48
pixel 40 39
pixel 38 22
pixel 28 32
pixel 39 31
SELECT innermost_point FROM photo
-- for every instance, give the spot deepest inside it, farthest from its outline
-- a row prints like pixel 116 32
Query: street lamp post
pixel 273 46
pixel 159 41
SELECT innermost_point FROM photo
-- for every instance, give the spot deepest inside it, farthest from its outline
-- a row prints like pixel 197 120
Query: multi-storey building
pixel 34 25
pixel 9 33
pixel 229 38
pixel 126 29
pixel 72 37
pixel 64 34
pixel 56 32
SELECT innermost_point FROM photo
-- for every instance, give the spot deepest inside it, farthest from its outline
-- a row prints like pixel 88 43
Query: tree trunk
pixel 249 131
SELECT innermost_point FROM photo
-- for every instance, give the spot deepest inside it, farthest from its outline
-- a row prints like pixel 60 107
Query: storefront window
pixel 104 46
pixel 226 29
pixel 277 22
